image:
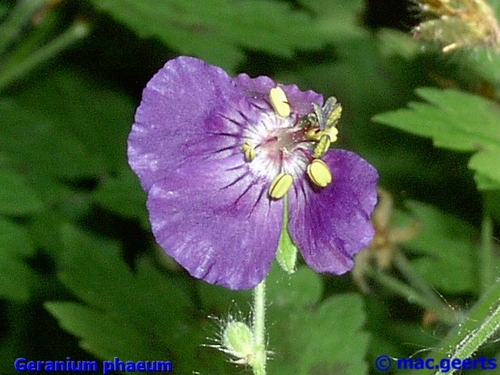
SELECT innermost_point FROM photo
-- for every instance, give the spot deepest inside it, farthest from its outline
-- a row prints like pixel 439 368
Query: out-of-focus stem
pixel 9 74
pixel 412 295
pixel 18 17
pixel 486 270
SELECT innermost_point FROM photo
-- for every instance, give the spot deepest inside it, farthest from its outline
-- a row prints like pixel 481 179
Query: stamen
pixel 249 151
pixel 280 185
pixel 279 101
pixel 326 138
pixel 319 173
pixel 322 146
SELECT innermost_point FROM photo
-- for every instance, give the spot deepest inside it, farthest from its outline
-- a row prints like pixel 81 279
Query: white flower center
pixel 282 147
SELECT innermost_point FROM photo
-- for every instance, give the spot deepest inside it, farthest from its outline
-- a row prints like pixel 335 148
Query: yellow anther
pixel 326 138
pixel 280 185
pixel 319 173
pixel 322 146
pixel 279 101
pixel 249 151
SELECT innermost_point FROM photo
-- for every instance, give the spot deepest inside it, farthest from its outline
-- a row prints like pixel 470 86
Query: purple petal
pixel 331 225
pixel 178 113
pixel 302 100
pixel 217 222
pixel 258 89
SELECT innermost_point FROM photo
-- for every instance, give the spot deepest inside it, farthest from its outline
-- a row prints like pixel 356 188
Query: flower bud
pixel 237 340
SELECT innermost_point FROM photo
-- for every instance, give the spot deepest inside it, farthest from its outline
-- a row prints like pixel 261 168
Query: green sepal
pixel 287 251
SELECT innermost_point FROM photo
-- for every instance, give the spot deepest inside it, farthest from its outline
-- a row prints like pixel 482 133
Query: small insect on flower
pixel 224 160
pixel 322 125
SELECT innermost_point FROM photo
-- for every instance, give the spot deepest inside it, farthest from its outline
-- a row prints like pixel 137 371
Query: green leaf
pixel 216 30
pixel 398 43
pixel 81 321
pixel 35 141
pixel 457 121
pixel 337 20
pixel 98 118
pixel 312 337
pixel 482 61
pixel 447 248
pixel 14 239
pixel 140 315
pixel 3 10
pixel 66 126
pixel 16 196
pixel 15 274
pixel 44 229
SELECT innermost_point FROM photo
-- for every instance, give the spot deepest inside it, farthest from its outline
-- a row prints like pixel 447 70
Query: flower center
pixel 287 146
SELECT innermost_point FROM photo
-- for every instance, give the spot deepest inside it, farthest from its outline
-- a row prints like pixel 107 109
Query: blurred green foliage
pixel 80 274
pixel 457 121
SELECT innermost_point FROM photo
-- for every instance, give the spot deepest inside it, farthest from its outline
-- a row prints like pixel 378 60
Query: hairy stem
pixel 468 336
pixel 259 330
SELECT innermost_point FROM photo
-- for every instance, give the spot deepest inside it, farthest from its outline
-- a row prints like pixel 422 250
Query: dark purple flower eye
pixel 219 155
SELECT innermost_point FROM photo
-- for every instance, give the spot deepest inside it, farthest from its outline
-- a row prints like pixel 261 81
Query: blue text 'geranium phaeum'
pixel 221 157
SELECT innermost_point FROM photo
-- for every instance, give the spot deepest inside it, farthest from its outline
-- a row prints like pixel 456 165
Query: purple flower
pixel 220 157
